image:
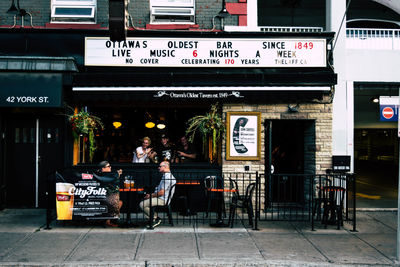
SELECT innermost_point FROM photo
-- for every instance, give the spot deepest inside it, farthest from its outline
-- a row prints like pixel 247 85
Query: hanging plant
pixel 210 126
pixel 83 123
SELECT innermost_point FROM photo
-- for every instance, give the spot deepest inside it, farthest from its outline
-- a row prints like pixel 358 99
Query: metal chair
pixel 241 201
pixel 333 197
pixel 167 206
pixel 213 182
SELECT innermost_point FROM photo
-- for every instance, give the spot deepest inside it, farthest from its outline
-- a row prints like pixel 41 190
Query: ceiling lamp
pixel 161 125
pixel 148 120
pixel 150 124
pixel 117 124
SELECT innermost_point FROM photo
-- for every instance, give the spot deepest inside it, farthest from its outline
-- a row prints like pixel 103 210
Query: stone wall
pixel 318 150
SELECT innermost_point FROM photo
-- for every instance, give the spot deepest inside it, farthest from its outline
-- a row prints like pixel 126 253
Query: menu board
pixel 84 196
pixel 206 52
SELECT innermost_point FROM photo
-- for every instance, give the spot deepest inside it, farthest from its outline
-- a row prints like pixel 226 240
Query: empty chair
pixel 241 201
pixel 333 197
pixel 211 185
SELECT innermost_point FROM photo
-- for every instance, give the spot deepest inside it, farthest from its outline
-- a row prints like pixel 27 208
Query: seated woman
pixel 112 185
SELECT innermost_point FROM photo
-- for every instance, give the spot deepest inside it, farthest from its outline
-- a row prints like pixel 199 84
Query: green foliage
pixel 208 125
pixel 83 123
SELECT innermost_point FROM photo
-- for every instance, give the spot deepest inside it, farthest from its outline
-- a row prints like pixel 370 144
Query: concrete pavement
pixel 25 242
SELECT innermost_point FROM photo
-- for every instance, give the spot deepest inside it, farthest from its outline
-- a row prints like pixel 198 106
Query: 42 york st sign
pixel 205 52
pixel 27 99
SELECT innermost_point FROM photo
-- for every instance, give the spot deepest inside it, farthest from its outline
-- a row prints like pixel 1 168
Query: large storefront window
pixel 125 127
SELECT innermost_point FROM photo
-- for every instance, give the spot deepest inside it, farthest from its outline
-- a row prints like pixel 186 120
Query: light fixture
pixel 375 99
pixel 161 125
pixel 223 14
pixel 150 124
pixel 161 122
pixel 148 119
pixel 13 9
pixel 117 124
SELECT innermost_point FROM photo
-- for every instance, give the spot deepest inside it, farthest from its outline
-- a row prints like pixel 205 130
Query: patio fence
pixel 219 199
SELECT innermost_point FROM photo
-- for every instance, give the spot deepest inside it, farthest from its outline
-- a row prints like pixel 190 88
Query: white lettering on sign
pixel 205 52
pixel 27 99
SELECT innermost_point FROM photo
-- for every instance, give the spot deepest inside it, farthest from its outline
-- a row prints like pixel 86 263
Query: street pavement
pixel 24 241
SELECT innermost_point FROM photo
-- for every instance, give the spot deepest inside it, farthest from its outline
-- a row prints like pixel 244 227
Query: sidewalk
pixel 25 242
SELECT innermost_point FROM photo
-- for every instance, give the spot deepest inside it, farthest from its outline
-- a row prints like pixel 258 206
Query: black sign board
pixel 341 163
pixel 30 90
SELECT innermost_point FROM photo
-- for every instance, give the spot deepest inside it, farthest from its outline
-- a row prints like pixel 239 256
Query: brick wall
pixel 138 9
pixel 318 150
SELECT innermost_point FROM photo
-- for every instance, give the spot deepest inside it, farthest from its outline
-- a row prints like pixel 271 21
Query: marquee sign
pixel 205 52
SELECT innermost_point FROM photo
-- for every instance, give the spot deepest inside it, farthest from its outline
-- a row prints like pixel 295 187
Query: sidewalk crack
pixel 81 238
pixel 196 241
pixel 312 244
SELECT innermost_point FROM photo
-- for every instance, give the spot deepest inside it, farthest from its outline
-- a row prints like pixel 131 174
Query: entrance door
pixel 34 148
pixel 288 154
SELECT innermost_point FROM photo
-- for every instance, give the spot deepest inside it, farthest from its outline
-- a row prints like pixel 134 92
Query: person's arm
pixel 141 155
pixel 192 156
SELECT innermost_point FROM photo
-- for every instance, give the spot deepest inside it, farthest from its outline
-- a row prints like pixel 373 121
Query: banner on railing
pixel 84 196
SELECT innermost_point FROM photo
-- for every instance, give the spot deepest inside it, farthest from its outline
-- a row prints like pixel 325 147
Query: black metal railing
pixel 226 199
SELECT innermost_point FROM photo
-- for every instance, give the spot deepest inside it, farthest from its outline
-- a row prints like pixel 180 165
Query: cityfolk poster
pixel 85 196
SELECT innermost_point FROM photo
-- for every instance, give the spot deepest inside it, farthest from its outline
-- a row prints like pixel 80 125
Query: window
pixel 172 12
pixel 73 11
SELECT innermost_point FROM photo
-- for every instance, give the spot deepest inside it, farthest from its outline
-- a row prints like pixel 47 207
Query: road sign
pixel 388 113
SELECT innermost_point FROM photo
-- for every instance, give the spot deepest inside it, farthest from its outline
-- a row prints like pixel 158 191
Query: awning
pixel 48 64
pixel 24 89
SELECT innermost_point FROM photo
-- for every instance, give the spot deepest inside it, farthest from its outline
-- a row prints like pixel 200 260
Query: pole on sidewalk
pixel 398 189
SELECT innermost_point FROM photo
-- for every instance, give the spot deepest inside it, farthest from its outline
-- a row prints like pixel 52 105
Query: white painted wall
pixel 342 119
pixel 373 65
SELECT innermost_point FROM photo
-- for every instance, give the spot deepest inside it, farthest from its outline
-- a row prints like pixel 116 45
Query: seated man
pixel 161 194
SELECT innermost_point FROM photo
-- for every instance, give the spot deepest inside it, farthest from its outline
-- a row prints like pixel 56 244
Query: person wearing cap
pixel 165 151
pixel 144 152
pixel 111 181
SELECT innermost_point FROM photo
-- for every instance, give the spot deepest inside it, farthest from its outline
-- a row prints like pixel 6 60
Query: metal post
pixel 398 192
pixel 50 182
pixel 312 182
pixel 37 161
pixel 151 217
pixel 354 202
pixel 255 227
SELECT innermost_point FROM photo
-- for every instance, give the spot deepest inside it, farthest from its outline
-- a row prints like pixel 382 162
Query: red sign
pixel 86 176
pixel 388 113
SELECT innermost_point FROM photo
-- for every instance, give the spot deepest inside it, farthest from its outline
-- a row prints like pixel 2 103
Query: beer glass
pixel 64 200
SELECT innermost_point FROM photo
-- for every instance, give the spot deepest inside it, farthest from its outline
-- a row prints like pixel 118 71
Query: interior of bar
pixel 123 128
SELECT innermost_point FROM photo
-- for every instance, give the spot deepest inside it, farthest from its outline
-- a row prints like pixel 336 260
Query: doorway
pixel 34 149
pixel 290 153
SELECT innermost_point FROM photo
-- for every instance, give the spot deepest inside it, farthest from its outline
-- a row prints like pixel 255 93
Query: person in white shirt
pixel 144 152
pixel 161 194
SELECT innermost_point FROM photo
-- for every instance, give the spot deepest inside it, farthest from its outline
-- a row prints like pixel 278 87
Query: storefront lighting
pixel 13 9
pixel 161 125
pixel 150 124
pixel 117 124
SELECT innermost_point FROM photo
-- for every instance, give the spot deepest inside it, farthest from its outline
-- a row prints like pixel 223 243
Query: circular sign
pixel 387 112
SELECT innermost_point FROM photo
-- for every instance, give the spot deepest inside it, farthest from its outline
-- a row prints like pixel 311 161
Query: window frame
pixel 74 4
pixel 167 3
